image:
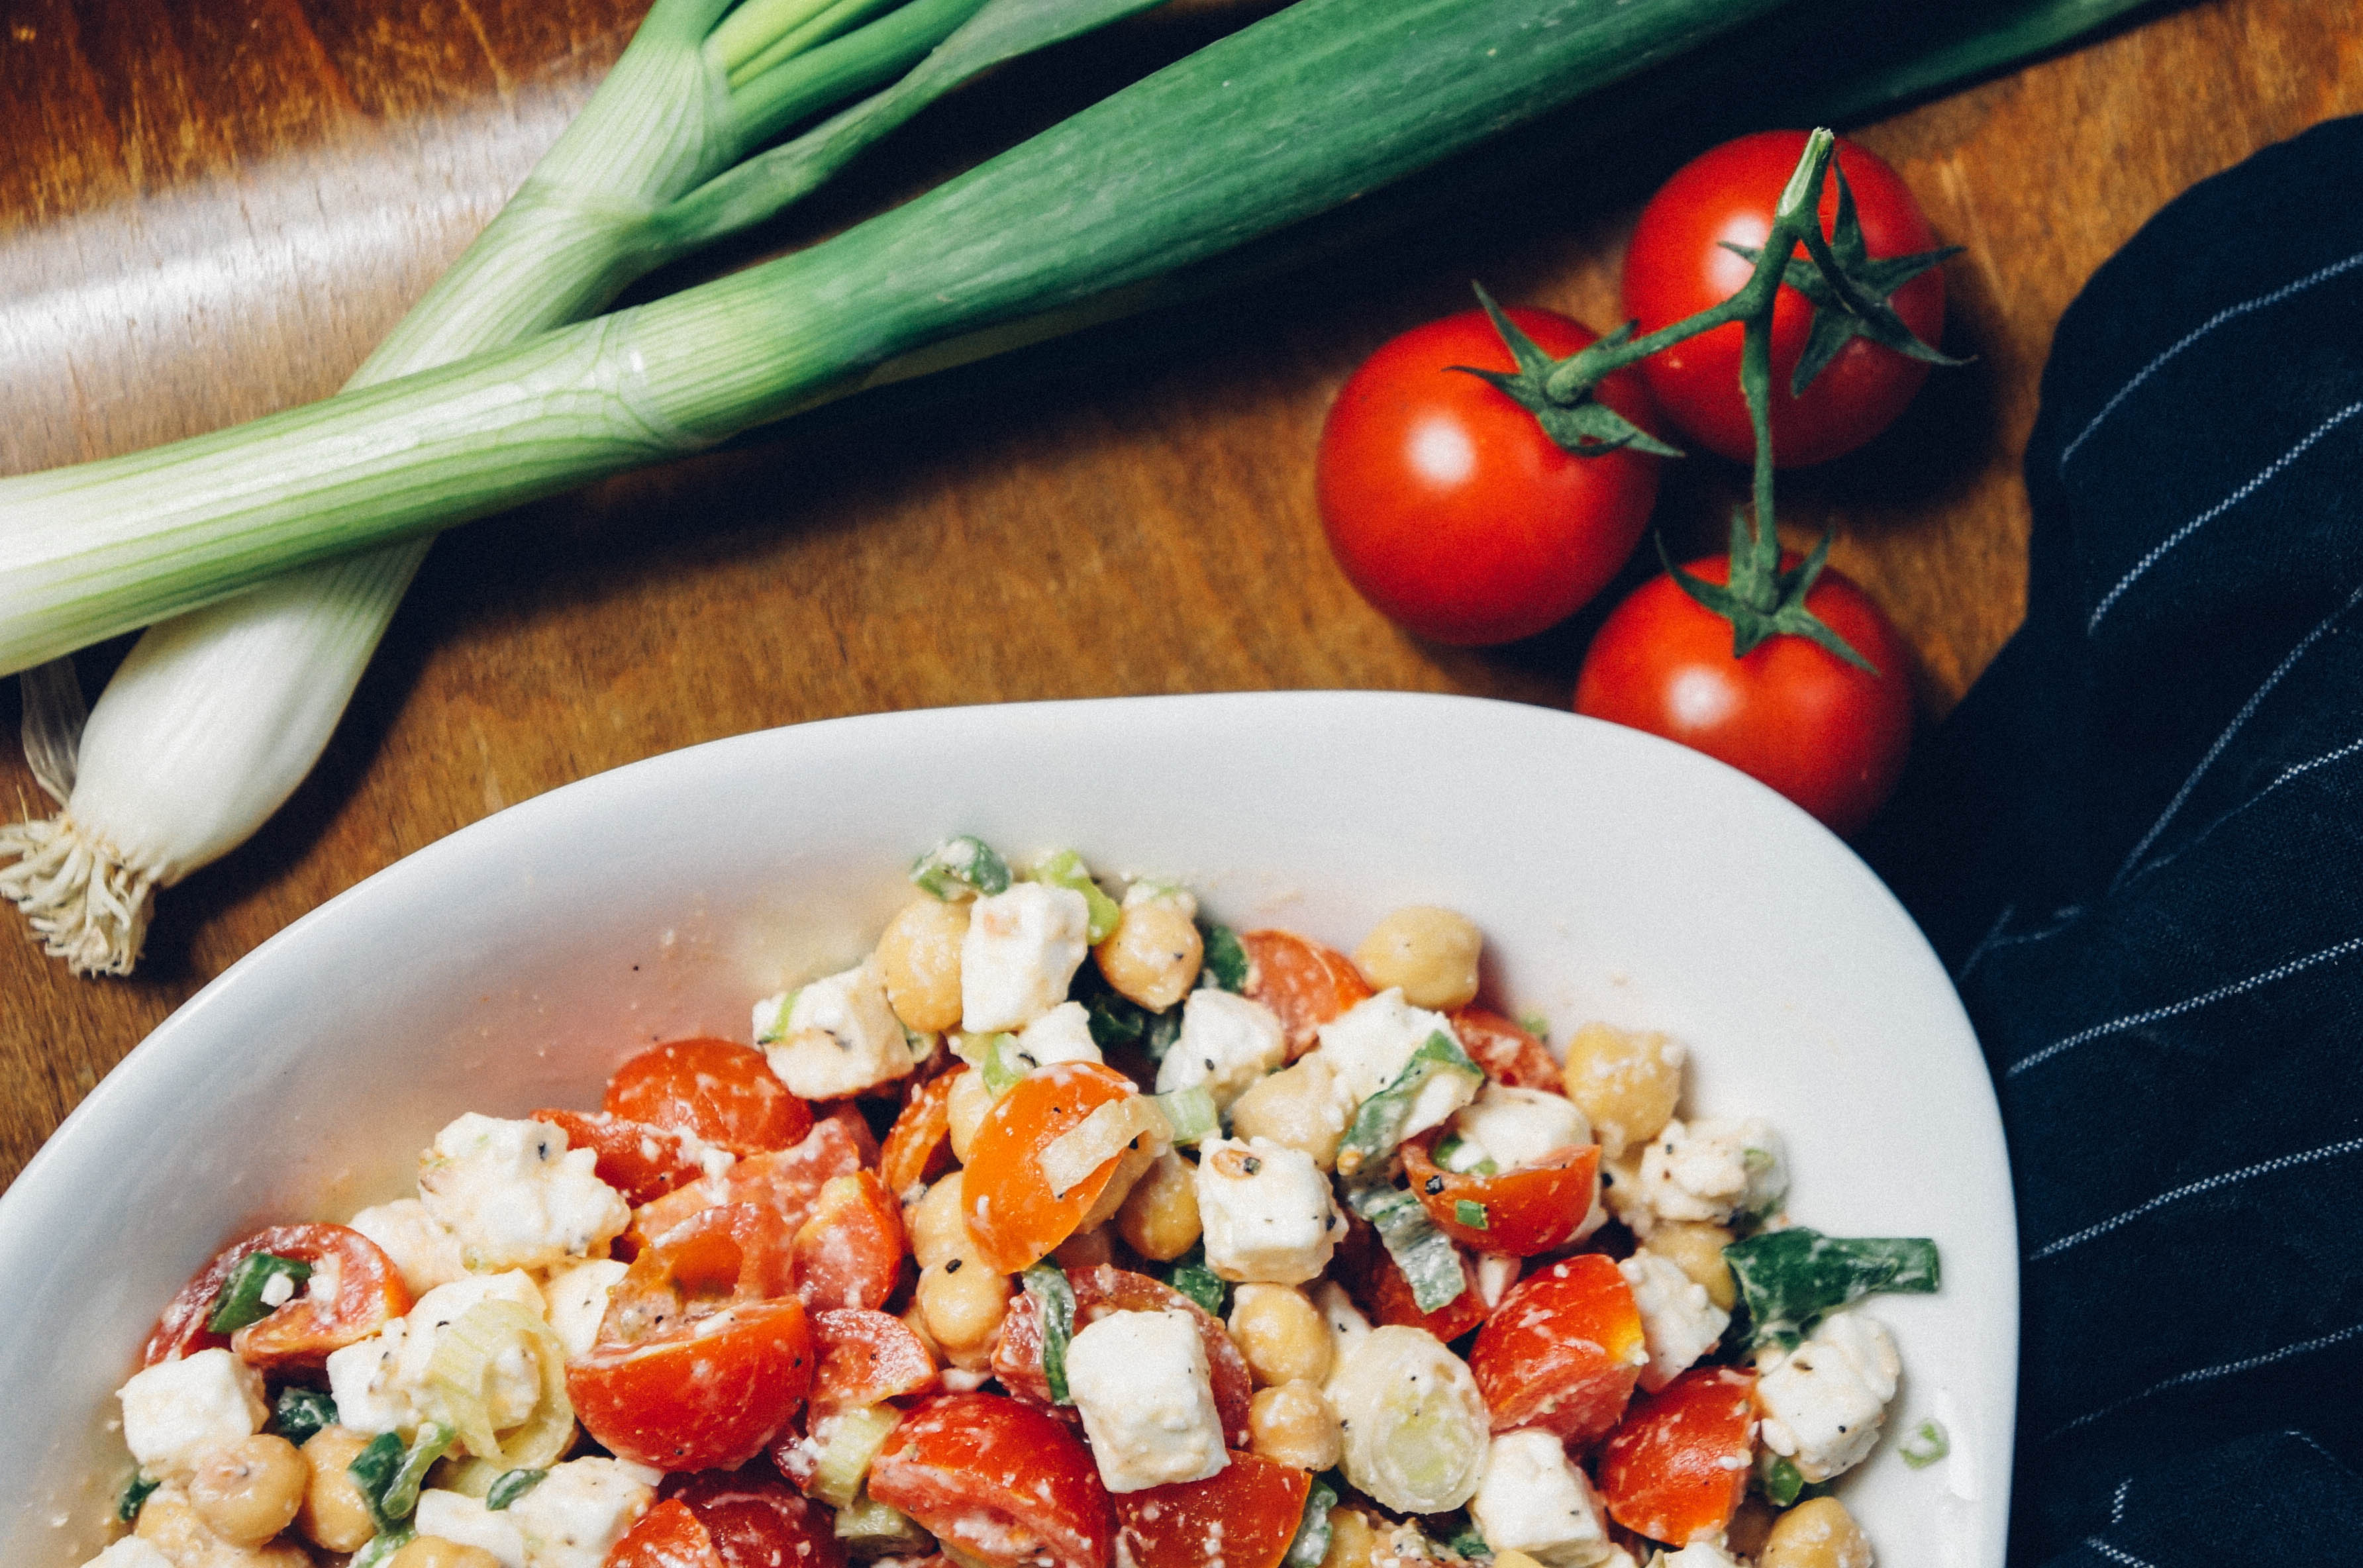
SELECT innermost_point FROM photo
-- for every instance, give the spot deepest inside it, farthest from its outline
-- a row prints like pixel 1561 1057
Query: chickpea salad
pixel 1068 1229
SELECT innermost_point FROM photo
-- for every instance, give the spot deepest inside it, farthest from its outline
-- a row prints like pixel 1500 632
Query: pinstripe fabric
pixel 2139 842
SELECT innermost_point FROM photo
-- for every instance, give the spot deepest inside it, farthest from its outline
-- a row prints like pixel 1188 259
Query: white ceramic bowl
pixel 513 963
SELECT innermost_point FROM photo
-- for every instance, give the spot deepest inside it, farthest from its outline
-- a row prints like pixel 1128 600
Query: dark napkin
pixel 2138 845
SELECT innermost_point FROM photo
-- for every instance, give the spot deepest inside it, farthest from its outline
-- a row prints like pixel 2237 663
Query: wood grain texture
pixel 216 206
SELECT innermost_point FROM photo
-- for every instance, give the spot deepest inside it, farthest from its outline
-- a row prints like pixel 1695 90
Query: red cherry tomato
pixel 1509 1054
pixel 918 1147
pixel 1000 1480
pixel 850 1253
pixel 305 1328
pixel 1011 1214
pixel 1527 1211
pixel 1828 734
pixel 786 1183
pixel 1562 1351
pixel 1101 1289
pixel 717 1091
pixel 1391 1300
pixel 720 1520
pixel 866 1358
pixel 1243 1516
pixel 1677 1467
pixel 1304 983
pixel 1676 267
pixel 1448 506
pixel 639 1159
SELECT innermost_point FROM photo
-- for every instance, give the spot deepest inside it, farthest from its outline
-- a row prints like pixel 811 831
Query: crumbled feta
pixel 581 1509
pixel 1712 1168
pixel 178 1411
pixel 1022 949
pixel 1496 1272
pixel 578 1300
pixel 842 1037
pixel 131 1552
pixel 1823 1403
pixel 1531 1499
pixel 376 1382
pixel 516 1195
pixel 1369 1045
pixel 1062 1034
pixel 423 1249
pixel 1348 1327
pixel 1697 1554
pixel 1267 1211
pixel 1140 1380
pixel 1226 1043
pixel 465 1521
pixel 1677 1321
pixel 1515 1128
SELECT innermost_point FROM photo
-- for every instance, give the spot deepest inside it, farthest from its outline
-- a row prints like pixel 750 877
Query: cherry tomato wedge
pixel 866 1358
pixel 1099 1290
pixel 1677 1467
pixel 639 1159
pixel 1301 981
pixel 304 1329
pixel 731 1253
pixel 701 1394
pixel 1000 1480
pixel 919 1145
pixel 1244 1516
pixel 668 1536
pixel 850 1253
pixel 1391 1299
pixel 722 1519
pixel 1528 1211
pixel 1562 1351
pixel 786 1182
pixel 1509 1054
pixel 1011 1214
pixel 716 1090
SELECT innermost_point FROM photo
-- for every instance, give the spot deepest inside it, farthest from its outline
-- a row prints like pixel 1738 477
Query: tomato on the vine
pixel 1677 266
pixel 1828 735
pixel 1446 504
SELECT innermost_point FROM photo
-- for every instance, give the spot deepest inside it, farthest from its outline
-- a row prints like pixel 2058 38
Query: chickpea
pixel 1159 1217
pixel 1152 956
pixel 964 1302
pixel 1297 1106
pixel 1697 1250
pixel 915 1320
pixel 1293 1424
pixel 1135 1163
pixel 919 955
pixel 170 1522
pixel 333 1513
pixel 1430 952
pixel 1281 1334
pixel 1816 1534
pixel 1513 1558
pixel 935 1227
pixel 970 1102
pixel 249 1492
pixel 1352 1542
pixel 1628 1083
pixel 434 1552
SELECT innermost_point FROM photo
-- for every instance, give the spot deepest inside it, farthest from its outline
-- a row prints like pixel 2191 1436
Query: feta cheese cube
pixel 465 1521
pixel 1713 1168
pixel 1823 1403
pixel 1514 1128
pixel 516 1195
pixel 1531 1499
pixel 1267 1211
pixel 578 1301
pixel 423 1249
pixel 1369 1045
pixel 581 1509
pixel 365 1380
pixel 377 1381
pixel 1226 1043
pixel 1062 1034
pixel 1347 1328
pixel 178 1411
pixel 1678 1323
pixel 1141 1382
pixel 1022 950
pixel 842 1037
pixel 131 1552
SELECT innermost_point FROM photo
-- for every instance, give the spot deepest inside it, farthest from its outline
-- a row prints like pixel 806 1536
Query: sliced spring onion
pixel 1925 1444
pixel 1190 1114
pixel 1046 1283
pixel 848 1441
pixel 873 1530
pixel 511 1485
pixel 1066 870
pixel 1190 1276
pixel 460 1383
pixel 244 1295
pixel 1226 964
pixel 999 1062
pixel 1380 1123
pixel 961 867
pixel 1791 1279
pixel 1471 1214
pixel 134 1495
pixel 299 1412
pixel 388 1473
pixel 1781 1480
pixel 379 1548
pixel 1415 1428
pixel 1312 1541
pixel 1430 1264
pixel 1132 1121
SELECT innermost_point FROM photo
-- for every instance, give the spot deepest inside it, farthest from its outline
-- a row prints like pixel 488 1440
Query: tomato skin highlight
pixel 302 1331
pixel 1830 737
pixel 866 1358
pixel 1448 506
pixel 639 1159
pixel 1677 1467
pixel 1304 983
pixel 1002 1480
pixel 1255 1503
pixel 1527 1211
pixel 1676 267
pixel 1021 1219
pixel 1562 1351
pixel 704 1394
pixel 718 1091
pixel 849 1253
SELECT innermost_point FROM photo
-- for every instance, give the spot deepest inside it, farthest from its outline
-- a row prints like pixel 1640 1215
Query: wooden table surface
pixel 213 208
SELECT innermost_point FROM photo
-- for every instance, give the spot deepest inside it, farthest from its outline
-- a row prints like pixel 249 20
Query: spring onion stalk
pixel 215 716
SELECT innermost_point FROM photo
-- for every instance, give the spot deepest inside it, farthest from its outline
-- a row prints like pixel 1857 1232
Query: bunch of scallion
pixel 314 519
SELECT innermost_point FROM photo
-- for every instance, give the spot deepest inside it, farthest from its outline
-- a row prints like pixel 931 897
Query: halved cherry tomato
pixel 786 1182
pixel 722 1519
pixel 1301 981
pixel 639 1159
pixel 850 1253
pixel 703 1393
pixel 1528 1211
pixel 1099 1290
pixel 731 1253
pixel 1243 1516
pixel 1678 1466
pixel 1391 1299
pixel 918 1147
pixel 1509 1054
pixel 302 1331
pixel 999 1480
pixel 1562 1351
pixel 719 1091
pixel 1012 1216
pixel 865 1358
pixel 668 1536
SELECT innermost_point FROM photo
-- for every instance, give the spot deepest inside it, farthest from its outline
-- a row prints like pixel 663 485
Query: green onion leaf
pixel 1925 1444
pixel 1430 1264
pixel 1311 1542
pixel 961 867
pixel 241 1301
pixel 1226 964
pixel 1791 1279
pixel 389 1476
pixel 1115 1021
pixel 1461 1536
pixel 1066 870
pixel 134 1495
pixel 1001 1064
pixel 1191 1112
pixel 1046 1283
pixel 1471 1214
pixel 1379 1124
pixel 298 1413
pixel 1189 1274
pixel 1784 1483
pixel 510 1485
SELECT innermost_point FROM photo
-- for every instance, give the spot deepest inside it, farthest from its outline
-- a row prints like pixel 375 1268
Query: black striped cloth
pixel 2138 845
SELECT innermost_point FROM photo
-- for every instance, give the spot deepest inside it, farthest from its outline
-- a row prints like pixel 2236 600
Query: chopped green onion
pixel 773 1032
pixel 1460 1535
pixel 1451 1154
pixel 1782 1481
pixel 298 1413
pixel 1115 1021
pixel 1312 1541
pixel 1226 964
pixel 961 867
pixel 1925 1444
pixel 1379 1124
pixel 135 1495
pixel 388 1475
pixel 1066 870
pixel 1535 1024
pixel 848 1441
pixel 1471 1214
pixel 380 1547
pixel 241 1300
pixel 1429 1262
pixel 1189 1274
pixel 1791 1279
pixel 874 1530
pixel 1046 1283
pixel 511 1485
pixel 1191 1113
pixel 1001 1065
